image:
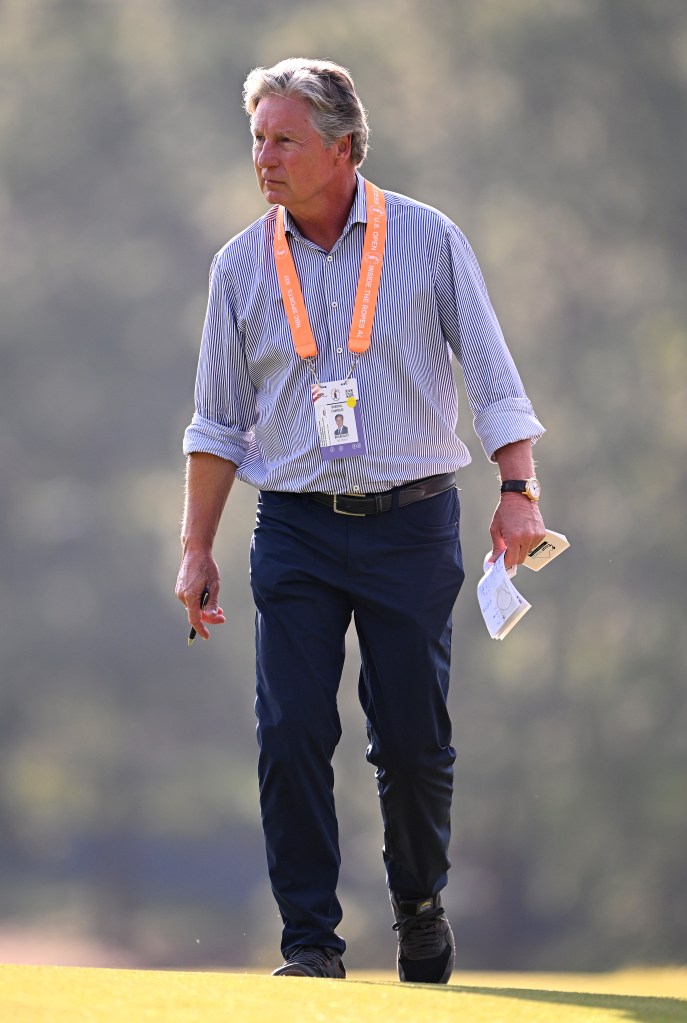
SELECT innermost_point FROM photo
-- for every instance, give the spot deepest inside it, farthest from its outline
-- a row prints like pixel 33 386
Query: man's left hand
pixel 517 527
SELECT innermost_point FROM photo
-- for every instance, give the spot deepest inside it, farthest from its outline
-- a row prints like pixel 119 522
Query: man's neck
pixel 324 223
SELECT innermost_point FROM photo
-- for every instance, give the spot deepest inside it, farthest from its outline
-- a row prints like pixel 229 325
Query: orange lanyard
pixel 368 282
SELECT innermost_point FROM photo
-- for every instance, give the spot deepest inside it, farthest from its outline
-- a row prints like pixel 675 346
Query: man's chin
pixel 273 194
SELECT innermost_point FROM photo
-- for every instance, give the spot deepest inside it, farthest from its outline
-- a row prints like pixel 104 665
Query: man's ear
pixel 343 147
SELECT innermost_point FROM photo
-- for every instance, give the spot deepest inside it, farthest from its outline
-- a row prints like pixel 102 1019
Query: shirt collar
pixel 357 215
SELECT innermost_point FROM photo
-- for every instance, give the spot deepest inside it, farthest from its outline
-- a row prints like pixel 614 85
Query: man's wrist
pixel 194 545
pixel 529 488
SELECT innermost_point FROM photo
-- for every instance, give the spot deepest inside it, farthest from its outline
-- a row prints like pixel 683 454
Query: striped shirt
pixel 253 393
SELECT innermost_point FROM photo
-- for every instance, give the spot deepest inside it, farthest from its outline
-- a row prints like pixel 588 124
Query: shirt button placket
pixel 333 304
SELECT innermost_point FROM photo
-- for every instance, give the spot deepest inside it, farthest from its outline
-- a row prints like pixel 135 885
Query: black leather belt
pixel 373 504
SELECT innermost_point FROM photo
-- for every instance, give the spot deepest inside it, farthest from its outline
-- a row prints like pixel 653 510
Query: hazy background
pixel 555 134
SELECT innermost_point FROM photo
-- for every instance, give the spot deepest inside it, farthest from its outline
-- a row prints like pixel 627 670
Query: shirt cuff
pixel 505 422
pixel 214 439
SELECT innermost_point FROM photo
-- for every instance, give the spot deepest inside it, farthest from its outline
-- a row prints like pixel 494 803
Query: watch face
pixel 533 489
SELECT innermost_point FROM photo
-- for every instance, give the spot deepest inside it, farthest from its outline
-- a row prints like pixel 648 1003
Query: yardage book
pixel 501 605
pixel 551 546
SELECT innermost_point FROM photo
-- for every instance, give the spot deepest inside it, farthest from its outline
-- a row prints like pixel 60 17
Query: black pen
pixel 204 597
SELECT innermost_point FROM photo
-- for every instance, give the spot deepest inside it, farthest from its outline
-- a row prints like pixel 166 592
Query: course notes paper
pixel 501 604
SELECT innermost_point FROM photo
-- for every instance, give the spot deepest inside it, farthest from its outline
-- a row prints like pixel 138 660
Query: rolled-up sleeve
pixel 501 409
pixel 225 409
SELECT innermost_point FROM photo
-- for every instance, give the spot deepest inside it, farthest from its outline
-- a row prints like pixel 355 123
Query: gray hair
pixel 328 90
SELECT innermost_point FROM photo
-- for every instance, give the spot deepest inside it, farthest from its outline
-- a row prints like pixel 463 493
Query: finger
pixel 202 631
pixel 495 554
pixel 214 616
pixel 536 540
pixel 211 605
pixel 196 601
pixel 498 546
pixel 529 542
pixel 513 555
pixel 211 619
pixel 201 616
pixel 190 596
pixel 195 620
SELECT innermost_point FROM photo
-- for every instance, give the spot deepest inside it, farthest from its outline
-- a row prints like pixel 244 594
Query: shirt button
pixel 330 259
pixel 334 305
pixel 355 488
pixel 339 351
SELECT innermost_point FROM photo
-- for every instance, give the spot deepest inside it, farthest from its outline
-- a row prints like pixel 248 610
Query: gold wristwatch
pixel 530 488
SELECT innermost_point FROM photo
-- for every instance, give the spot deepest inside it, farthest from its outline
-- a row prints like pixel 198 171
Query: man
pixel 346 296
pixel 341 430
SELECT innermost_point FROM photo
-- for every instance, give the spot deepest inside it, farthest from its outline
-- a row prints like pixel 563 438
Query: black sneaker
pixel 426 949
pixel 312 961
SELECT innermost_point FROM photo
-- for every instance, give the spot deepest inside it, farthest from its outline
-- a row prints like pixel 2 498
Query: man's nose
pixel 267 155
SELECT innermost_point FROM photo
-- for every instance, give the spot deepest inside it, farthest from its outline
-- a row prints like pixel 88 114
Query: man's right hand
pixel 208 482
pixel 198 570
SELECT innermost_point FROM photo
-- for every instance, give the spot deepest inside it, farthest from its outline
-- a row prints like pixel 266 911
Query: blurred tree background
pixel 555 134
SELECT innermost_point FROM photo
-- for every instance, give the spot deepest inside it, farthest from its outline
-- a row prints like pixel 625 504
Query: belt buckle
pixel 340 511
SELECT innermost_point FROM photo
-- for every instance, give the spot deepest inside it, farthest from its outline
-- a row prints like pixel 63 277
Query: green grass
pixel 47 994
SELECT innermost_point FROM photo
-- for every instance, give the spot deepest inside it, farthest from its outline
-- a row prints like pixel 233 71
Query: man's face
pixel 292 165
pixel 339 421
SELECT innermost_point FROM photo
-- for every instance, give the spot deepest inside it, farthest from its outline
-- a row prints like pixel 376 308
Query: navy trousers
pixel 398 575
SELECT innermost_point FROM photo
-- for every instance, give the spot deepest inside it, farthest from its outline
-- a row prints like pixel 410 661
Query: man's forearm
pixel 208 482
pixel 517 525
pixel 515 460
